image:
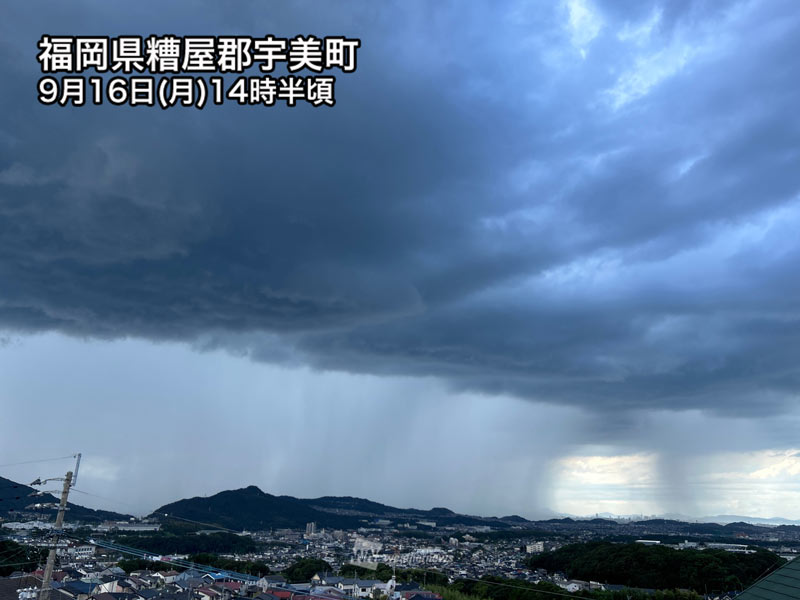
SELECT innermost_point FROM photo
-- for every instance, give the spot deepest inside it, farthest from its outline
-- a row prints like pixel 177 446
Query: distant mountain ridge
pixel 16 497
pixel 751 520
pixel 252 509
pixel 720 519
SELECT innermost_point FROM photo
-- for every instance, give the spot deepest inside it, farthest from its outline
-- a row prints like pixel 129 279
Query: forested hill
pixel 250 508
pixel 660 567
pixel 15 498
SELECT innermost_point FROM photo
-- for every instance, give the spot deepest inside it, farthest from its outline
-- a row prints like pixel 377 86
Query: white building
pixel 26 525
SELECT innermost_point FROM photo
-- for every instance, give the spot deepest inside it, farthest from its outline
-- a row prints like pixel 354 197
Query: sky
pixel 539 257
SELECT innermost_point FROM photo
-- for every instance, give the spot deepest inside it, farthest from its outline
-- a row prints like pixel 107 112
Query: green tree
pixel 16 557
pixel 249 567
pixel 305 568
pixel 129 565
pixel 659 567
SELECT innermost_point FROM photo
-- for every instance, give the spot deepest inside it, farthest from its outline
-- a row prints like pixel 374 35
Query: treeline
pixel 210 560
pixel 497 588
pixel 165 542
pixel 658 567
pixel 129 565
pixel 384 573
pixel 496 536
pixel 677 539
pixel 305 568
pixel 250 567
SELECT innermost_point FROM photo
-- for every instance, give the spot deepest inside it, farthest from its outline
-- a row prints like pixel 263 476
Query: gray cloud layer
pixel 485 204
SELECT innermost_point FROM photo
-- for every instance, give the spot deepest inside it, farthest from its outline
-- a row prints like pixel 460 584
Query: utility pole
pixel 51 556
pixel 44 594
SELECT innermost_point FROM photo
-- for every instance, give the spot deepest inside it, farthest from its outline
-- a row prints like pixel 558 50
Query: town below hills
pixel 248 531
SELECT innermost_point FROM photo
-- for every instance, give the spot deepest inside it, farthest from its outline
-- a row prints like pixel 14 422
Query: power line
pixel 120 502
pixel 30 462
pixel 12 552
pixel 128 505
pixel 15 553
pixel 101 497
pixel 18 564
pixel 763 575
pixel 169 516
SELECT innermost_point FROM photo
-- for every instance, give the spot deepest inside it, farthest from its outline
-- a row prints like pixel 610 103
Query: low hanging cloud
pixel 592 206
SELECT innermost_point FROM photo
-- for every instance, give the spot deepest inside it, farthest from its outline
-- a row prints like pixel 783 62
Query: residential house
pixel 78 590
pixel 167 576
pixel 270 581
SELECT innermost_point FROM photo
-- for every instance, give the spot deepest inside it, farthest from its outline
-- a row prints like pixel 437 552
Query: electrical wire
pixel 169 516
pixel 120 502
pixel 12 552
pixel 766 573
pixel 18 564
pixel 30 462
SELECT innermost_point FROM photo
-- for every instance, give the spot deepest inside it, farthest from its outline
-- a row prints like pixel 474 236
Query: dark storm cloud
pixel 482 204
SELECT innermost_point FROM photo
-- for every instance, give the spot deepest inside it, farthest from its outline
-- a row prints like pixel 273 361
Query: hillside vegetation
pixel 659 567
